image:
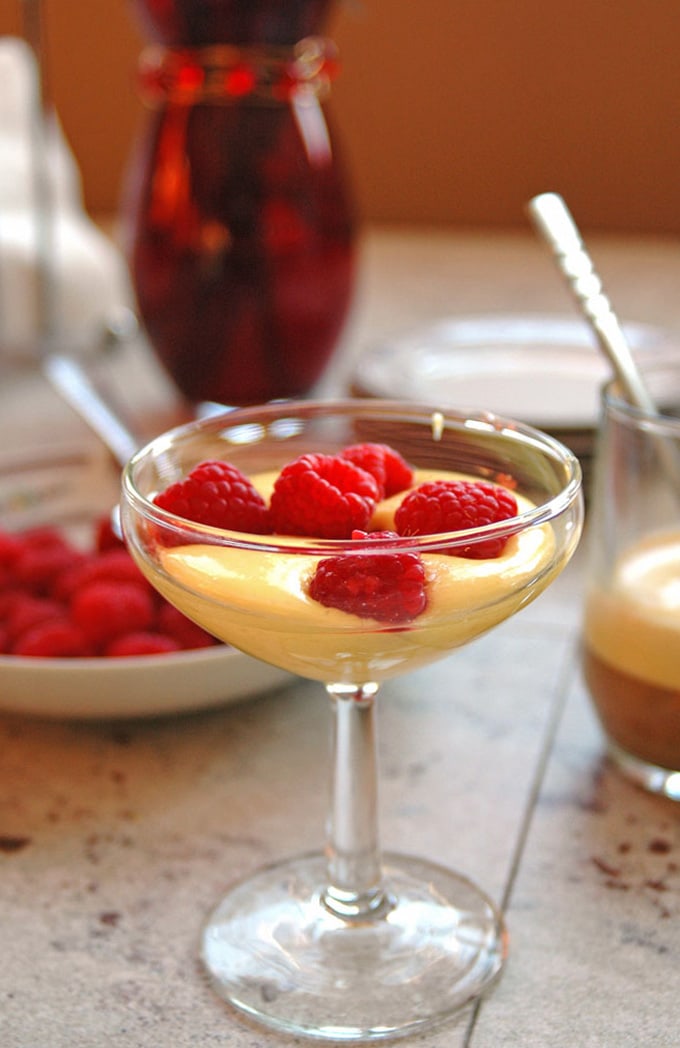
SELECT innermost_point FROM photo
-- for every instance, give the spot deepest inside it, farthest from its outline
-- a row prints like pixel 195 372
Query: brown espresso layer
pixel 639 716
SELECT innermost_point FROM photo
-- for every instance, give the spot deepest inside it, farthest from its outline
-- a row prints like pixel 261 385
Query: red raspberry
pixel 219 495
pixel 9 595
pixel 104 591
pixel 10 546
pixel 28 611
pixel 38 565
pixel 322 495
pixel 392 473
pixel 389 587
pixel 188 634
pixel 105 537
pixel 141 642
pixel 43 535
pixel 105 609
pixel 54 638
pixel 113 565
pixel 454 505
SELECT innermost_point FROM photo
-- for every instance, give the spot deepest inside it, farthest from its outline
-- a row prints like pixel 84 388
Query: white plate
pixel 135 686
pixel 542 369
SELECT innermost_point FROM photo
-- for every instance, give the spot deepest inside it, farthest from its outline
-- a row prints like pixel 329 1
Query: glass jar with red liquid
pixel 241 226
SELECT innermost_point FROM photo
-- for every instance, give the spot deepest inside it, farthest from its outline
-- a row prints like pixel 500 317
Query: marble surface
pixel 116 838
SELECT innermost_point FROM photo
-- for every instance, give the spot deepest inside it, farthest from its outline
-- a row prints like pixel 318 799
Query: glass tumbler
pixel 631 632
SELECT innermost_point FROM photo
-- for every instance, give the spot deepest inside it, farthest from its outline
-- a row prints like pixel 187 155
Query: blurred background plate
pixel 542 369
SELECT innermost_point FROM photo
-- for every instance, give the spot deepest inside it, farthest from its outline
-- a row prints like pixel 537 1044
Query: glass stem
pixel 355 890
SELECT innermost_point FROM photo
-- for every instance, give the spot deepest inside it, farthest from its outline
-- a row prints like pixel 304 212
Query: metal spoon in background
pixel 73 384
pixel 554 222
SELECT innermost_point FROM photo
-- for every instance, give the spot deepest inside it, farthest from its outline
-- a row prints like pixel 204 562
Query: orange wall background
pixel 451 111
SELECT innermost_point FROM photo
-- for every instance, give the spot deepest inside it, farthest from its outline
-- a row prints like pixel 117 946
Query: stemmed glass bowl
pixel 347 944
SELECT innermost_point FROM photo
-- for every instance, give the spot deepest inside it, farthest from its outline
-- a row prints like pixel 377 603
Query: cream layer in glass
pixel 257 600
pixel 634 623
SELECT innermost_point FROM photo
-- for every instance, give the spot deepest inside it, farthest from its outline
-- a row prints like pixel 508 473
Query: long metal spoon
pixel 554 222
pixel 73 384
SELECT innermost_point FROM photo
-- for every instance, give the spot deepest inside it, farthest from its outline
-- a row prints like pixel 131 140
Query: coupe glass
pixel 347 944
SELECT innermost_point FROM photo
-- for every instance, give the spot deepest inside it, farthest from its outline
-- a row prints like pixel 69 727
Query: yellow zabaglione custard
pixel 257 600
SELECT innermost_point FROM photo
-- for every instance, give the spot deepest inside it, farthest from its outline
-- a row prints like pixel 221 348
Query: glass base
pixel 275 952
pixel 651 777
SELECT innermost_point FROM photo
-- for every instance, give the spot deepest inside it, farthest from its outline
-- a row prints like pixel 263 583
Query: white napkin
pixel 90 284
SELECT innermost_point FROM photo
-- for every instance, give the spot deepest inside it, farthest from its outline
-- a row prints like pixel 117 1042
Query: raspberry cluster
pixel 59 600
pixel 333 497
pixel 324 496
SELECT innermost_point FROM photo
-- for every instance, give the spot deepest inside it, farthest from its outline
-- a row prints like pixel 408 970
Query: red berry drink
pixel 241 224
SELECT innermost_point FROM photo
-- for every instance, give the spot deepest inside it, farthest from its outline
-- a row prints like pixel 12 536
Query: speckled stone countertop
pixel 117 837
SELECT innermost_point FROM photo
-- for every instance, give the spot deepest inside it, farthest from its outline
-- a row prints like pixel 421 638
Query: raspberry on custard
pixel 389 587
pixel 455 505
pixel 383 462
pixel 322 495
pixel 219 495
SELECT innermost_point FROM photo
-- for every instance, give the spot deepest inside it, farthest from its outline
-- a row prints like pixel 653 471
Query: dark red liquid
pixel 241 227
pixel 196 22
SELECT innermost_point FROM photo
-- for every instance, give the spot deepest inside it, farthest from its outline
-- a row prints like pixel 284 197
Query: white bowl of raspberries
pixel 82 633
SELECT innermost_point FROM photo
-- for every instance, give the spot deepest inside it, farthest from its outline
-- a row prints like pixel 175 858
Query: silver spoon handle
pixel 554 222
pixel 74 385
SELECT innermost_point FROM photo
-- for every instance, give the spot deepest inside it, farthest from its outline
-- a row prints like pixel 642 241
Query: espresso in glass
pixel 631 634
pixel 632 651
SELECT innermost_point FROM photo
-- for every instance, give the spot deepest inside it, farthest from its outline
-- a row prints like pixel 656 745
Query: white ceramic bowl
pixel 68 487
pixel 136 686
